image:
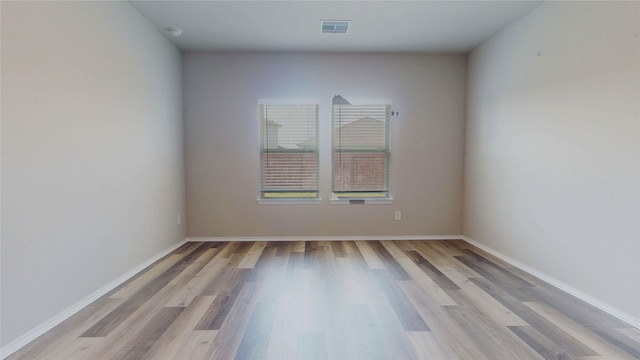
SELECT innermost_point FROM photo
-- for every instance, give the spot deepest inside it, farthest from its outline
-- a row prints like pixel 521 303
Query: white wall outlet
pixel 178 219
pixel 398 215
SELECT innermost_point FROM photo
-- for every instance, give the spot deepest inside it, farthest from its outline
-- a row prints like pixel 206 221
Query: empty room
pixel 320 180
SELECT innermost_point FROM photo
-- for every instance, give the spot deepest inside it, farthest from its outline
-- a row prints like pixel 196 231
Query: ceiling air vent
pixel 335 26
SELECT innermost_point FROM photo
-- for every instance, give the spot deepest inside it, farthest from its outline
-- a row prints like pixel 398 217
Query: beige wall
pixel 92 152
pixel 552 166
pixel 221 123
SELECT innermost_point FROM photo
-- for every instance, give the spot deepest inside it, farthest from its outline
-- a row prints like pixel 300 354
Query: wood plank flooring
pixel 336 300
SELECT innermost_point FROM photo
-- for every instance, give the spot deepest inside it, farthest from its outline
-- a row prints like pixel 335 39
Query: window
pixel 361 150
pixel 288 151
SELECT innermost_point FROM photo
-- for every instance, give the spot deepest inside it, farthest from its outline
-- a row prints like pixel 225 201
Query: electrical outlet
pixel 398 215
pixel 179 219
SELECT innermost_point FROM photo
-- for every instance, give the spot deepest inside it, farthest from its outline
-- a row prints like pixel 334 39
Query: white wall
pixel 222 151
pixel 552 166
pixel 92 152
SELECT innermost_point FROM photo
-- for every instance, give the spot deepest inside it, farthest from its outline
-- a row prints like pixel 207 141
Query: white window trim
pixel 367 201
pixel 350 201
pixel 371 101
pixel 289 201
pixel 289 102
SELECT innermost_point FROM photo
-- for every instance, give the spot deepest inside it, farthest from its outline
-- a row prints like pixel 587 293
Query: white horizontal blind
pixel 289 151
pixel 361 150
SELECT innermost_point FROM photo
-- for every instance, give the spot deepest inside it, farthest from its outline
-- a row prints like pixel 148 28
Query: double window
pixel 360 138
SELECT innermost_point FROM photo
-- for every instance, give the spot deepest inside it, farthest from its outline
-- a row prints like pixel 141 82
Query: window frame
pixel 262 199
pixel 387 198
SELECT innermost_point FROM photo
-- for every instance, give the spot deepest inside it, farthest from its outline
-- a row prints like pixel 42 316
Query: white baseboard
pixel 327 238
pixel 613 311
pixel 34 333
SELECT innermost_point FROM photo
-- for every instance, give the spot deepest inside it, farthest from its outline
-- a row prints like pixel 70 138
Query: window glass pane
pixel 289 171
pixel 359 171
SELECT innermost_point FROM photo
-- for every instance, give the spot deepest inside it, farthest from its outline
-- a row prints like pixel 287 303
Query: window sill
pixel 290 201
pixel 338 201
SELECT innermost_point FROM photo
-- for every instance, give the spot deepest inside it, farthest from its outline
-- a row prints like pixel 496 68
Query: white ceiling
pixel 377 26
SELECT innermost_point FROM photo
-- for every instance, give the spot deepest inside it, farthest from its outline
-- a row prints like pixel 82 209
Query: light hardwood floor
pixel 336 300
